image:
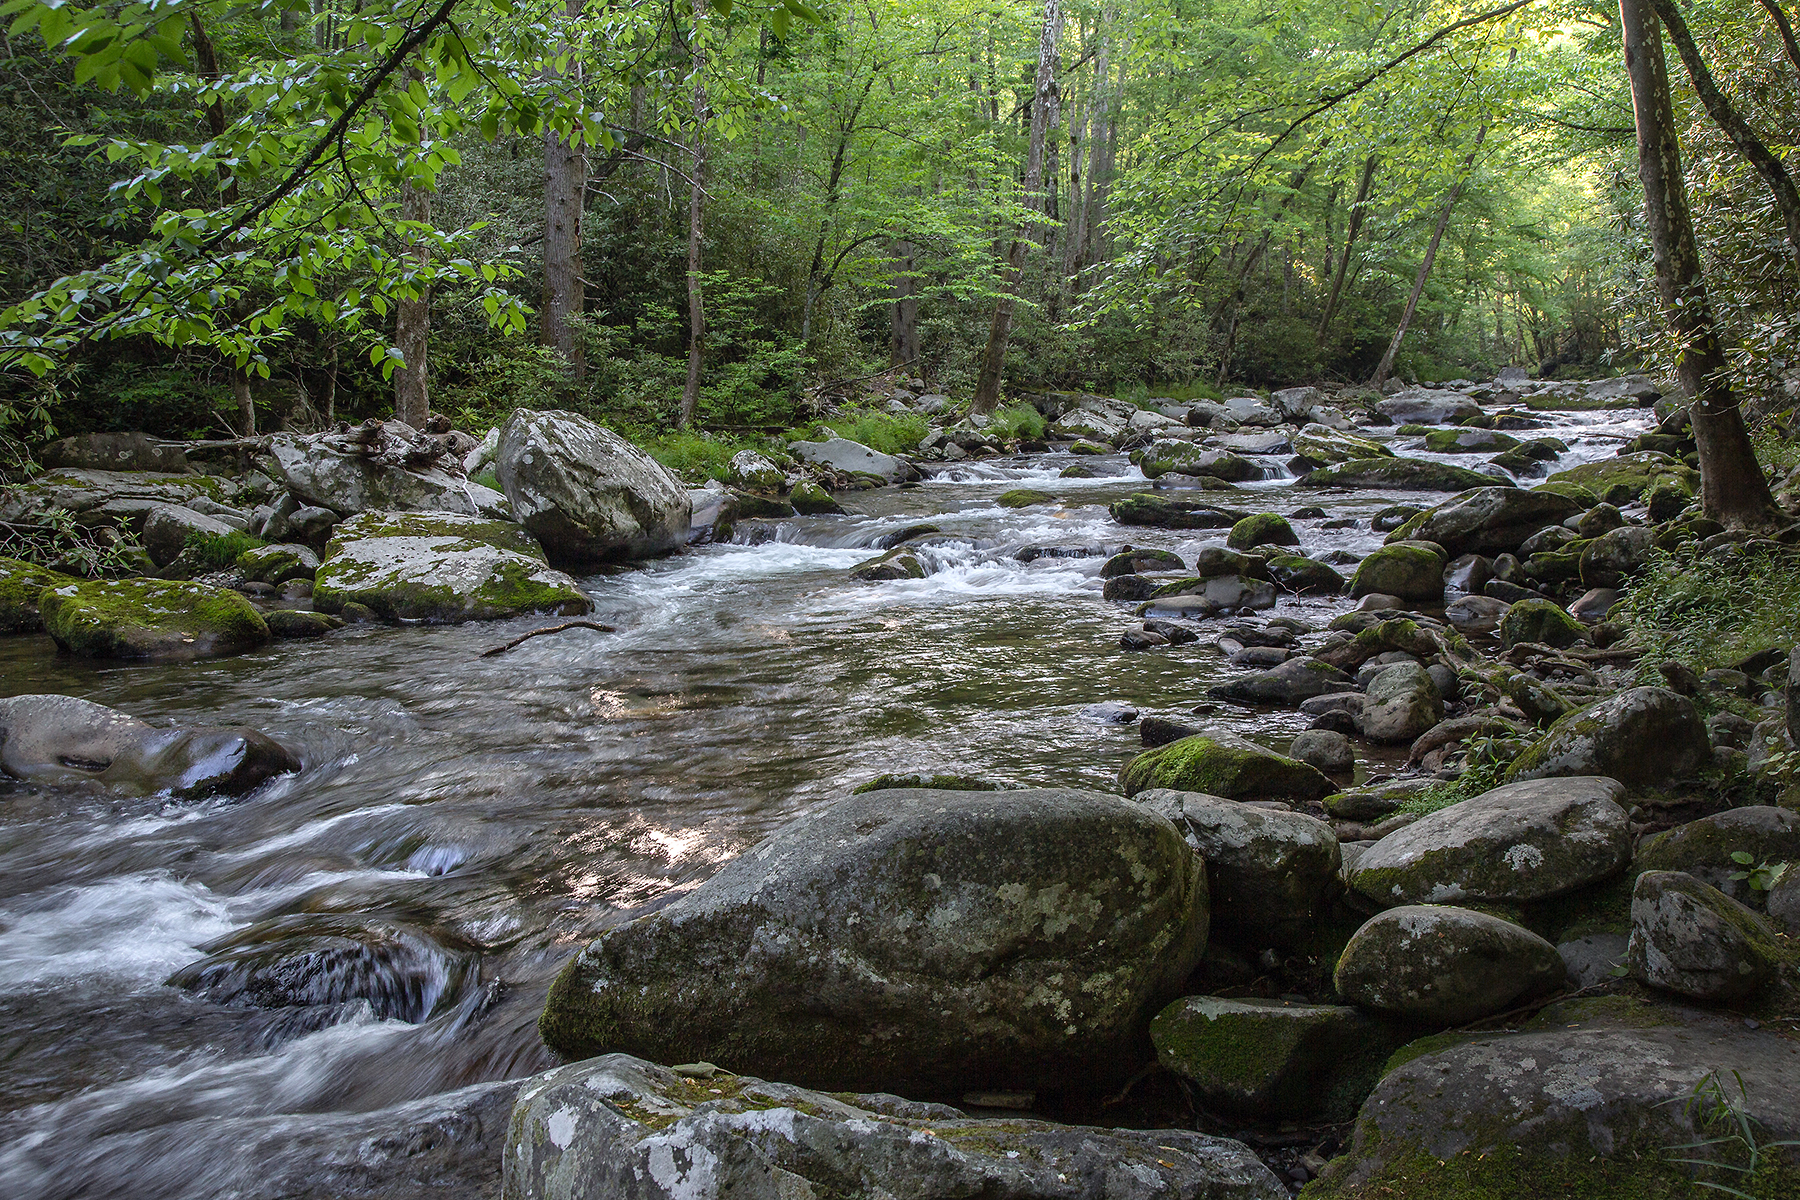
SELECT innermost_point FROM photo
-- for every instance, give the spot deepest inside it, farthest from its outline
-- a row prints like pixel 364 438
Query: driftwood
pixel 594 625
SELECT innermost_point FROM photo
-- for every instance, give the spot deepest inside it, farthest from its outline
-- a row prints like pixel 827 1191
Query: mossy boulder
pixel 1275 1058
pixel 1411 570
pixel 1615 556
pixel 20 585
pixel 1223 764
pixel 880 943
pixel 440 567
pixel 1376 636
pixel 898 563
pixel 1442 965
pixel 1516 844
pixel 1173 512
pixel 278 563
pixel 753 507
pixel 1401 703
pixel 150 619
pixel 942 783
pixel 1489 520
pixel 1468 441
pixel 1261 529
pixel 1171 456
pixel 1023 498
pixel 296 623
pixel 1291 682
pixel 1646 737
pixel 1321 446
pixel 1583 496
pixel 1407 474
pixel 811 500
pixel 1628 477
pixel 1141 559
pixel 1690 938
pixel 1542 622
pixel 1304 576
pixel 1703 848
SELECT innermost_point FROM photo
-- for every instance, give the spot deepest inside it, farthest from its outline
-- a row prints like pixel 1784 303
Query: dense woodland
pixel 226 218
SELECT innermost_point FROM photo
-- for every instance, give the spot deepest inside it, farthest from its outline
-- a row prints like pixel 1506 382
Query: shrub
pixel 890 433
pixel 1017 421
pixel 1712 610
pixel 693 456
pixel 218 550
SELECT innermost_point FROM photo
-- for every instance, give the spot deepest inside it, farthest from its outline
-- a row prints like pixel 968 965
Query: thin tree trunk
pixel 1100 168
pixel 1786 30
pixel 1437 236
pixel 565 186
pixel 1358 210
pixel 1232 309
pixel 690 391
pixel 903 329
pixel 1732 488
pixel 246 403
pixel 412 320
pixel 1773 171
pixel 993 356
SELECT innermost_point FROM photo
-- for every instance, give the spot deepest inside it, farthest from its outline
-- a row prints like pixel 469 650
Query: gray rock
pixel 1444 965
pixel 1608 561
pixel 1643 737
pixel 1475 614
pixel 278 563
pixel 1784 902
pixel 617 1126
pixel 879 942
pixel 1295 680
pixel 117 498
pixel 1428 406
pixel 1625 387
pixel 1514 844
pixel 115 452
pixel 1593 605
pixel 1703 848
pixel 1468 574
pixel 1270 875
pixel 1411 570
pixel 1254 443
pixel 61 739
pixel 1401 703
pixel 1170 456
pixel 1694 940
pixel 1274 1058
pixel 1330 752
pixel 1296 402
pixel 1595 958
pixel 750 469
pixel 336 471
pixel 167 528
pixel 1320 446
pixel 587 494
pixel 1492 520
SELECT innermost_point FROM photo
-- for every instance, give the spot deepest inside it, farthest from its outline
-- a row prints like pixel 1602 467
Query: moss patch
pixel 1409 473
pixel 1220 768
pixel 20 585
pixel 150 618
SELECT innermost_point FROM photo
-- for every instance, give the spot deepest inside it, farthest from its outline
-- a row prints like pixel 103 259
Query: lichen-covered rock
pixel 20 585
pixel 62 739
pixel 1331 752
pixel 278 563
pixel 1690 938
pixel 1643 737
pixel 1428 406
pixel 855 459
pixel 1261 529
pixel 168 527
pixel 1514 844
pixel 1703 848
pixel 440 567
pixel 336 471
pixel 1289 683
pixel 1411 570
pixel 1627 477
pixel 1586 1103
pixel 1540 621
pixel 811 500
pixel 1444 965
pixel 1321 446
pixel 1275 1058
pixel 1492 520
pixel 1222 591
pixel 299 623
pixel 898 563
pixel 1406 474
pixel 1380 637
pixel 586 494
pixel 752 470
pixel 149 619
pixel 1612 558
pixel 1468 441
pixel 131 451
pixel 117 498
pixel 1140 559
pixel 1401 703
pixel 1304 576
pixel 1173 512
pixel 1173 456
pixel 618 1126
pixel 1270 874
pixel 880 942
pixel 1223 764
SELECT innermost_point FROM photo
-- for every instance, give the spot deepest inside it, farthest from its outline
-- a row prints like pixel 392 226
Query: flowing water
pixel 464 824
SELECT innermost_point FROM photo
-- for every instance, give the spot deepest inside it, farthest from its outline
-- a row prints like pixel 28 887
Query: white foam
pixel 133 928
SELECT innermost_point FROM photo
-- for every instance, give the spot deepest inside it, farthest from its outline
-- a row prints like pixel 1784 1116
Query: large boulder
pixel 1428 406
pixel 880 942
pixel 1514 844
pixel 1404 474
pixel 1468 441
pixel 62 739
pixel 1401 703
pixel 1296 402
pixel 94 498
pixel 618 1126
pixel 1274 1058
pixel 1289 683
pixel 378 466
pixel 1690 938
pixel 1444 965
pixel 1492 520
pixel 1643 737
pixel 440 567
pixel 1411 570
pixel 1223 764
pixel 1173 512
pixel 21 583
pixel 132 451
pixel 1261 529
pixel 1588 1101
pixel 1177 457
pixel 853 458
pixel 1322 446
pixel 1613 557
pixel 168 528
pixel 150 619
pixel 1270 874
pixel 588 495
pixel 1703 848
pixel 1629 477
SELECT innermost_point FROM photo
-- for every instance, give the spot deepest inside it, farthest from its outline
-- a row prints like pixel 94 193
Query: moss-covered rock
pixel 1138 560
pixel 1610 559
pixel 149 619
pixel 1643 737
pixel 1178 457
pixel 1488 520
pixel 1322 446
pixel 1468 440
pixel 1304 576
pixel 1411 570
pixel 1690 938
pixel 423 566
pixel 1401 704
pixel 898 563
pixel 1409 474
pixel 1223 764
pixel 1703 848
pixel 1627 477
pixel 278 563
pixel 1443 965
pixel 1173 512
pixel 20 585
pixel 942 783
pixel 1542 622
pixel 1583 496
pixel 1023 498
pixel 811 500
pixel 295 623
pixel 1377 636
pixel 751 506
pixel 1261 529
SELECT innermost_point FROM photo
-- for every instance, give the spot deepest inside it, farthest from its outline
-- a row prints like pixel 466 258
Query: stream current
pixel 474 821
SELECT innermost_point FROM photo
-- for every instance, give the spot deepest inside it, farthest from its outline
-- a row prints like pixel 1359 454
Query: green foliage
pixel 1484 768
pixel 1761 876
pixel 1730 1138
pixel 890 433
pixel 695 457
pixel 216 551
pixel 57 541
pixel 1015 422
pixel 1710 610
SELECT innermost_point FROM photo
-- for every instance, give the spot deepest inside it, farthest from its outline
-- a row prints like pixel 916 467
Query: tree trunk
pixel 412 320
pixel 246 403
pixel 1437 236
pixel 1358 210
pixel 903 327
pixel 993 356
pixel 690 391
pixel 1786 29
pixel 1732 488
pixel 1773 171
pixel 565 185
pixel 1232 310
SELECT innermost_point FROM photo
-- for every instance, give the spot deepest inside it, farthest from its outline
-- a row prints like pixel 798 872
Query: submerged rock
pixel 62 739
pixel 620 1126
pixel 880 942
pixel 150 619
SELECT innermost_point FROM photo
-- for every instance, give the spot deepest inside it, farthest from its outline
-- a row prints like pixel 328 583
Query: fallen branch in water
pixel 594 625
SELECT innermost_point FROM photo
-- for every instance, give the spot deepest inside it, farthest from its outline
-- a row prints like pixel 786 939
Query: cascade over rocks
pixel 879 942
pixel 588 495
